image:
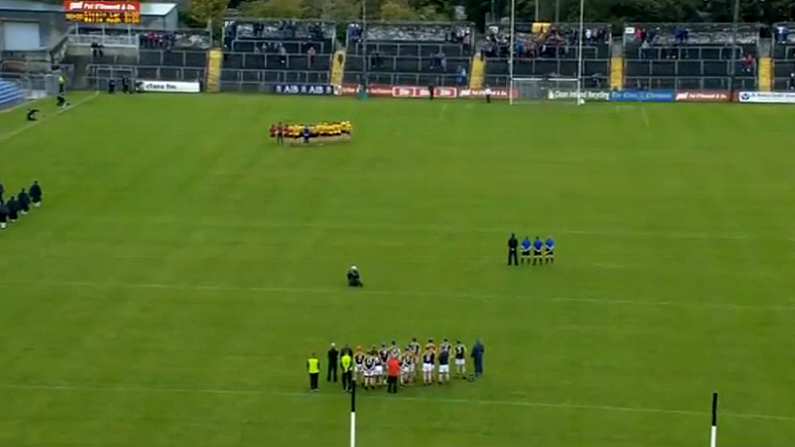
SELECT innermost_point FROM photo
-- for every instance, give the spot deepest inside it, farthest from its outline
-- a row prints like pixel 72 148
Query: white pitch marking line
pixel 645 116
pixel 415 293
pixel 255 392
pixel 33 124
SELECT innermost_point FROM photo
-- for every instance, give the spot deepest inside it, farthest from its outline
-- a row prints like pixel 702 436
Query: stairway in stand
pixel 478 72
pixel 338 67
pixel 214 65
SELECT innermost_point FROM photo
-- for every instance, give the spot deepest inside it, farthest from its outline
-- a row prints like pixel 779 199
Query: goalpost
pixel 523 90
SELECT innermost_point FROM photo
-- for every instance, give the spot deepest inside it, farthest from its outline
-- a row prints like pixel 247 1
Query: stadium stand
pixel 410 53
pixel 258 54
pixel 547 50
pixel 143 54
pixel 11 94
pixel 784 56
pixel 690 56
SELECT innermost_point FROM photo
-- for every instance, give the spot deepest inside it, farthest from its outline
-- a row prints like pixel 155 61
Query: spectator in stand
pixel 310 56
pixel 282 55
pixel 443 62
pixel 462 75
pixel 749 63
pixel 782 33
pixel 791 82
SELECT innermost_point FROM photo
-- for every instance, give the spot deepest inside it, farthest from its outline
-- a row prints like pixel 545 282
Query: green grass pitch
pixel 183 268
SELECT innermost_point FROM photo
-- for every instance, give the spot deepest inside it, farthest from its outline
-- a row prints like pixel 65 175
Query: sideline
pixel 134 388
pixel 30 125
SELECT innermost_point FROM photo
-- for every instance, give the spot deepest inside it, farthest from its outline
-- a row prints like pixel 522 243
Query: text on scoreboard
pixel 100 11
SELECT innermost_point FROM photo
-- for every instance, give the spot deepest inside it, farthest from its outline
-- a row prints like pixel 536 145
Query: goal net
pixel 532 90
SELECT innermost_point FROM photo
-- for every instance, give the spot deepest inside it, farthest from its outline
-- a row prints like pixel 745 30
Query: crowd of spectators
pixel 281 29
pixel 169 40
pixel 543 42
pixel 430 33
pixel 650 35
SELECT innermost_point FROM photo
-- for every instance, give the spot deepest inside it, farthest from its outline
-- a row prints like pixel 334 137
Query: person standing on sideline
pixel 477 356
pixel 333 354
pixel 393 371
pixel 346 363
pixel 35 193
pixel 313 367
pixel 526 246
pixel 513 243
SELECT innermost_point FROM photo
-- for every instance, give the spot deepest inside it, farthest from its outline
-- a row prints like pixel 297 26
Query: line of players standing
pixel 17 206
pixel 370 366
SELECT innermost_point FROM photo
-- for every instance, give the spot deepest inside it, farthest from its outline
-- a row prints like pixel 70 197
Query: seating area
pixel 259 53
pixel 163 65
pixel 547 50
pixel 10 94
pixel 690 56
pixel 784 56
pixel 410 54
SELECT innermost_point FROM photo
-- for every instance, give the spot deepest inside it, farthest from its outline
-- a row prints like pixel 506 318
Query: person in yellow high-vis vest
pixel 346 364
pixel 313 367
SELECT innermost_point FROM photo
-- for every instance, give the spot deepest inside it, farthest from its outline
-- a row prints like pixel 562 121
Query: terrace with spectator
pixel 259 53
pixel 695 56
pixel 784 56
pixel 105 53
pixel 434 53
pixel 547 50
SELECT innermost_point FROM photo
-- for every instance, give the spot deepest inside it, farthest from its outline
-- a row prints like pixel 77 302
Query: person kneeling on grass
pixel 35 194
pixel 3 216
pixel 354 278
pixel 23 199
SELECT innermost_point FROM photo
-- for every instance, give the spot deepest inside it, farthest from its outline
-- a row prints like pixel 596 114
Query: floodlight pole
pixel 366 65
pixel 579 53
pixel 511 49
pixel 713 434
pixel 733 70
pixel 353 413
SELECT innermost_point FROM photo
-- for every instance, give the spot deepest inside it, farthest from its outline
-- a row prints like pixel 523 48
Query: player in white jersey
pixel 380 365
pixel 460 353
pixel 445 345
pixel 406 367
pixel 414 348
pixel 369 371
pixel 394 350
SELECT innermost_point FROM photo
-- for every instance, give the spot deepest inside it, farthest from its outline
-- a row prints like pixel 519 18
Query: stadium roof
pixel 30 6
pixel 147 9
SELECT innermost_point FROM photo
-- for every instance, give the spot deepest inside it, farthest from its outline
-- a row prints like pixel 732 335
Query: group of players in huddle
pixel 297 133
pixel 370 366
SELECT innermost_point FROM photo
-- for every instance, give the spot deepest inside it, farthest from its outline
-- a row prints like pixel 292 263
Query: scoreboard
pixel 101 11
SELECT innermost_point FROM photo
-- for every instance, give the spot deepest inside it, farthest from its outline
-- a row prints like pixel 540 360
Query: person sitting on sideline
pixel 354 278
pixel 35 194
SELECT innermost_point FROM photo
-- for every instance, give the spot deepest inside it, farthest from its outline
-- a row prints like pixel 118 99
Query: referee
pixel 513 243
pixel 333 354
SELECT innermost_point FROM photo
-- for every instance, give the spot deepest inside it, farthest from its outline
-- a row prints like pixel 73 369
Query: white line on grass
pixel 486 297
pixel 645 116
pixel 33 124
pixel 133 388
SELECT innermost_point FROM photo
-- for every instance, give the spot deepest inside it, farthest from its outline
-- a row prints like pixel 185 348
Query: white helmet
pixel 353 267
